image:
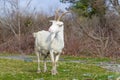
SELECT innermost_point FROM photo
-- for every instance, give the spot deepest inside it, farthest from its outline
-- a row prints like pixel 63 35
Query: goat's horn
pixel 62 15
pixel 56 14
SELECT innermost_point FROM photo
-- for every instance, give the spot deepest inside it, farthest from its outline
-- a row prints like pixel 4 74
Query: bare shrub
pixel 17 24
pixel 83 36
pixel 28 26
pixel 12 46
pixel 102 37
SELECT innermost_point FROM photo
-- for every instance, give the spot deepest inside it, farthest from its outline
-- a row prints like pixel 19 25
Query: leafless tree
pixel 11 19
pixel 93 30
pixel 115 5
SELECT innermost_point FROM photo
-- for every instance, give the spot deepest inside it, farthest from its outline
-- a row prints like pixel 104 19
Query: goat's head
pixel 57 25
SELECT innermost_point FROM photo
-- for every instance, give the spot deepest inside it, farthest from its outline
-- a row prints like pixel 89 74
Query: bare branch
pixel 91 35
pixel 106 43
pixel 115 5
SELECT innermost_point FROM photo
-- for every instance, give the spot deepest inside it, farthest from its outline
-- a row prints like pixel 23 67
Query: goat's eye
pixel 60 25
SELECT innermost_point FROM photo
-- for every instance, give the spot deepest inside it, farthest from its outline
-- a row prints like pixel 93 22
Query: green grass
pixel 20 70
pixel 95 59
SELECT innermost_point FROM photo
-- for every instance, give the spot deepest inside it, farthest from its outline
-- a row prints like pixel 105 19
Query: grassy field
pixel 21 70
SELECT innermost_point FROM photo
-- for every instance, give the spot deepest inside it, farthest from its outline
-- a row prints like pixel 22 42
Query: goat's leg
pixel 45 67
pixel 56 60
pixel 38 60
pixel 53 62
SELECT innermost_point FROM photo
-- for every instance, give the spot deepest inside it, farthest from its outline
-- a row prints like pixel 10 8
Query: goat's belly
pixel 43 45
pixel 44 52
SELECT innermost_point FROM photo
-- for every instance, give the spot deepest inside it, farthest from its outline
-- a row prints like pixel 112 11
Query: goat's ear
pixel 52 21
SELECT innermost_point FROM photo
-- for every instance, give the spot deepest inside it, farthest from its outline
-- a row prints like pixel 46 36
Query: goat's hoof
pixel 45 71
pixel 54 72
pixel 38 71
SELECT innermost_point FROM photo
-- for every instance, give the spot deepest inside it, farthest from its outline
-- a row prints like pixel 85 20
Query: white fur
pixel 50 42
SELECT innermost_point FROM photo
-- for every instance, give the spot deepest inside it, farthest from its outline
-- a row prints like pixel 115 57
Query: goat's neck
pixel 58 36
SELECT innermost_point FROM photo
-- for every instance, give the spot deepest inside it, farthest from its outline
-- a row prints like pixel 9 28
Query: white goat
pixel 50 42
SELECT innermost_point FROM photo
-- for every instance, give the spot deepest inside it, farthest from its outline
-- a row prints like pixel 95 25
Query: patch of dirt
pixel 114 67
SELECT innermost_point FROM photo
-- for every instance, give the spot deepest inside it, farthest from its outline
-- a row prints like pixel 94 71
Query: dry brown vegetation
pixel 83 36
